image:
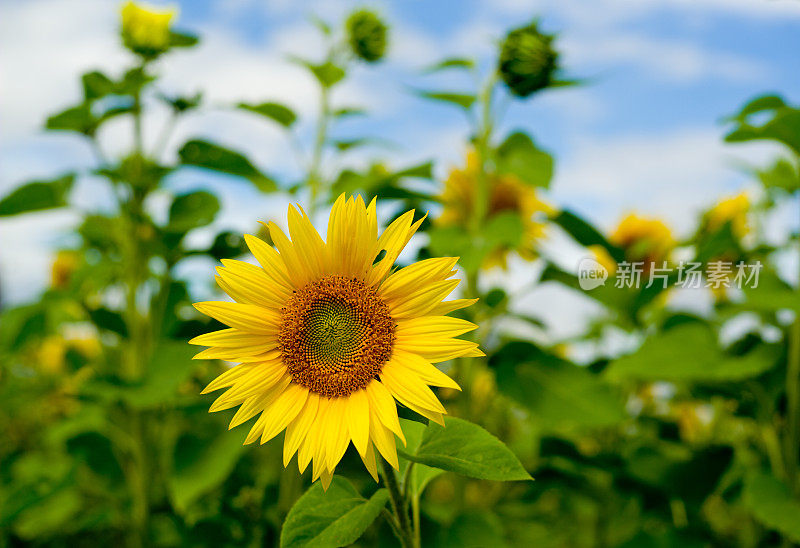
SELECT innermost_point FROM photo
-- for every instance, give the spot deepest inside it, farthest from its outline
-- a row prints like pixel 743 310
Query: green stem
pixel 314 175
pixel 398 502
pixel 792 440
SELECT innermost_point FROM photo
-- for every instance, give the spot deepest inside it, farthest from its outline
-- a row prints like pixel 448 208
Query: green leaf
pixel 557 393
pixel 328 74
pixel 782 175
pixel 467 449
pixel 212 156
pixel 421 475
pixel 782 126
pixel 346 112
pixel 192 210
pixel 96 85
pixel 451 63
pixel 37 195
pixel 274 111
pixel 77 118
pixel 518 155
pixel 584 233
pixel 689 352
pixel 463 100
pixel 201 465
pixel 182 40
pixel 332 518
pixel 773 504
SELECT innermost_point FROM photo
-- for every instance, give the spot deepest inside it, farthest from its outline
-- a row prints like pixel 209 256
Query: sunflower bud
pixel 366 34
pixel 527 60
pixel 145 30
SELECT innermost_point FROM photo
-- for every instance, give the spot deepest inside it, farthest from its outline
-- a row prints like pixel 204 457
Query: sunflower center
pixel 336 335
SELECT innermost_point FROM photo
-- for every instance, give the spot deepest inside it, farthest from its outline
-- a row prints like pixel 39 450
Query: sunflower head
pixel 733 210
pixel 146 29
pixel 528 60
pixel 64 265
pixel 507 194
pixel 328 336
pixel 643 239
pixel 366 34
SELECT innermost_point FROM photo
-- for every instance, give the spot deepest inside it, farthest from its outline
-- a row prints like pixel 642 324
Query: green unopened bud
pixel 366 34
pixel 527 60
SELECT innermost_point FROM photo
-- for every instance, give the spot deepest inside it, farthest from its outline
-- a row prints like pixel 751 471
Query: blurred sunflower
pixel 643 239
pixel 731 210
pixel 507 194
pixel 145 28
pixel 328 336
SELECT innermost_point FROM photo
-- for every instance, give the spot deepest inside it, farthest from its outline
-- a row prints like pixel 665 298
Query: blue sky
pixel 644 133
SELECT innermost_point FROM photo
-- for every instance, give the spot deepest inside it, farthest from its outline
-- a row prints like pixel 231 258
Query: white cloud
pixel 670 60
pixel 673 175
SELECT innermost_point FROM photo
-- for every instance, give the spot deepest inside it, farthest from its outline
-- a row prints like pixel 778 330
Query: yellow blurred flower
pixel 145 28
pixel 731 210
pixel 87 346
pixel 507 193
pixel 51 354
pixel 64 265
pixel 602 256
pixel 643 239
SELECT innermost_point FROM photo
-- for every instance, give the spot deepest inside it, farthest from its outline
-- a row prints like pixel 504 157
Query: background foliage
pixel 693 438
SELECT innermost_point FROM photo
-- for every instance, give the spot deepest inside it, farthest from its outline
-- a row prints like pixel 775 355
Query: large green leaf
pixel 557 393
pixel 274 111
pixel 200 465
pixel 332 518
pixel 781 125
pixel 421 475
pixel 518 155
pixel 192 210
pixel 37 195
pixel 467 449
pixel 773 504
pixel 690 352
pixel 212 156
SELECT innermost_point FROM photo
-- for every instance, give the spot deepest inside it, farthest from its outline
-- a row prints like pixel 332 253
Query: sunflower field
pixel 361 369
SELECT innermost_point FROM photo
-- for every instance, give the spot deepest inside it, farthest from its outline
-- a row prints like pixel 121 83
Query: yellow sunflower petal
pixel 409 389
pixel 229 377
pixel 439 349
pixel 299 272
pixel 422 301
pixel 297 430
pixel 381 404
pixel 383 438
pixel 357 416
pixel 446 307
pixel 270 260
pixel 245 317
pixel 414 364
pixel 433 326
pixel 368 458
pixel 413 277
pixel 228 338
pixel 307 243
pixel 282 411
pixel 338 438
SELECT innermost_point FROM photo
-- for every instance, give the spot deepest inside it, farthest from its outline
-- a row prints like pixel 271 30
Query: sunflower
pixel 733 210
pixel 507 194
pixel 328 336
pixel 643 239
